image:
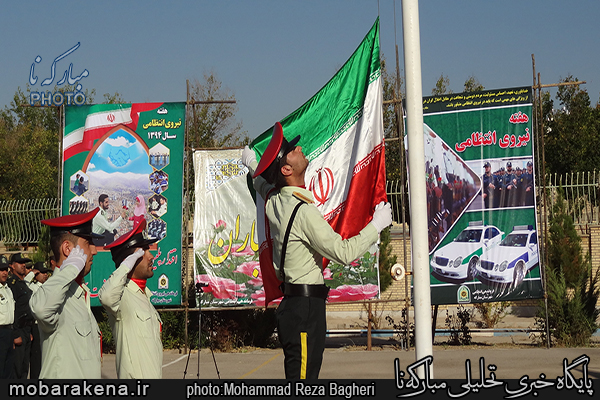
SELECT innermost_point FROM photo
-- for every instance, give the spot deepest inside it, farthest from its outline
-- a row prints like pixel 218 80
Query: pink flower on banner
pixel 353 292
pixel 259 298
pixel 355 263
pixel 220 226
pixel 245 252
pixel 221 288
pixel 248 268
pixel 327 274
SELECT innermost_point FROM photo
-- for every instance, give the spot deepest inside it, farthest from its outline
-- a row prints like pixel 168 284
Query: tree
pixel 441 86
pixel 572 131
pixel 565 254
pixel 392 123
pixel 113 98
pixel 29 148
pixel 571 287
pixel 213 125
pixel 28 159
pixel 29 143
pixel 386 259
pixel 472 84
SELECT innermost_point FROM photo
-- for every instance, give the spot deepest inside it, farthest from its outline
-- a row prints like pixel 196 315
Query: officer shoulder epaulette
pixel 302 197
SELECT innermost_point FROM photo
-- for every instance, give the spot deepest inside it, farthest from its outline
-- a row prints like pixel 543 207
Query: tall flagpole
pixel 416 168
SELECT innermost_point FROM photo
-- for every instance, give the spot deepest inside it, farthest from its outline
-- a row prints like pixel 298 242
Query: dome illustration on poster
pixel 118 170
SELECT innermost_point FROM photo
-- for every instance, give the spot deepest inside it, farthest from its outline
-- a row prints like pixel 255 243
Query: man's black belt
pixel 9 326
pixel 293 289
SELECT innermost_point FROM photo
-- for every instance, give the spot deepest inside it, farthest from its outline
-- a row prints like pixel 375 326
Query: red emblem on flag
pixel 110 117
pixel 321 185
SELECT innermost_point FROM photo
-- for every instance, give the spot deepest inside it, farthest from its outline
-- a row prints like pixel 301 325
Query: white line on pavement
pixel 173 362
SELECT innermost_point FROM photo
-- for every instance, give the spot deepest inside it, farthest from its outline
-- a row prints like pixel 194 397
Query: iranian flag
pixel 341 129
pixel 90 122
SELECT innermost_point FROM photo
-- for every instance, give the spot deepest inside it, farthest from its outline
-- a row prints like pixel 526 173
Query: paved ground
pixel 346 357
pixel 342 362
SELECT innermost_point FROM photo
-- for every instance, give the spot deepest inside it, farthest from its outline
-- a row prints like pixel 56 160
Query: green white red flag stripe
pixel 341 129
pixel 357 164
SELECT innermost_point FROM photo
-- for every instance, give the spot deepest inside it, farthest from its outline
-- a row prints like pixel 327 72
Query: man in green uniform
pixel 301 323
pixel 69 333
pixel 135 322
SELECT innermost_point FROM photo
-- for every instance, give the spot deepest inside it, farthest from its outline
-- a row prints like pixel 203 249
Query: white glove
pixel 248 156
pixel 382 217
pixel 131 259
pixel 76 258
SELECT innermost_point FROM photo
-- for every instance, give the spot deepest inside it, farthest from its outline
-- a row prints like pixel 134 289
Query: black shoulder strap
pixel 286 238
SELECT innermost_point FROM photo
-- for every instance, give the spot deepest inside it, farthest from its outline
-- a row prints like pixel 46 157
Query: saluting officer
pixel 68 329
pixel 301 322
pixel 37 276
pixel 135 322
pixel 34 279
pixel 7 317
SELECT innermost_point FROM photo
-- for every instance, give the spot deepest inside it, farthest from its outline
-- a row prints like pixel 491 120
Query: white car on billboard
pixel 512 259
pixel 457 261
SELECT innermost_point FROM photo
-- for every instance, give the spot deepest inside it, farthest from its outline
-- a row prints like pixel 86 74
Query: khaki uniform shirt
pixel 100 223
pixel 311 237
pixel 136 327
pixel 31 282
pixel 68 330
pixel 7 305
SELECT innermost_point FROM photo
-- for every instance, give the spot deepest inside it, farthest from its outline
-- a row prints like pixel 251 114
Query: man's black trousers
pixel 301 325
pixel 7 353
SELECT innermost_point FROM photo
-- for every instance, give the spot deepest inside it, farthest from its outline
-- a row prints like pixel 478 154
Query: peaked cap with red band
pixel 76 224
pixel 277 148
pixel 137 237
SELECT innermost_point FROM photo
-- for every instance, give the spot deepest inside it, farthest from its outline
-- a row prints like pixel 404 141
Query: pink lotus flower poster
pixel 226 241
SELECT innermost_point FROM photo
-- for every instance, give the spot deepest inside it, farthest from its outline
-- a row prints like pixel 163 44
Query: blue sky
pixel 274 55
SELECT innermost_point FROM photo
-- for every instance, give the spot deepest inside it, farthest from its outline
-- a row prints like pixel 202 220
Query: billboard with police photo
pixel 480 196
pixel 127 159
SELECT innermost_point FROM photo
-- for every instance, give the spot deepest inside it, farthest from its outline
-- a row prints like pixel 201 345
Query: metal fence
pixel 580 191
pixel 20 219
pixel 395 190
